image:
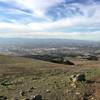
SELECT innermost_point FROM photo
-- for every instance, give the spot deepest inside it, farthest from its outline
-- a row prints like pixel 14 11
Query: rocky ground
pixel 93 89
pixel 28 79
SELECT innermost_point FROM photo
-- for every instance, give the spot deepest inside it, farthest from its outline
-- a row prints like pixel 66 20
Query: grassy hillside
pixel 50 80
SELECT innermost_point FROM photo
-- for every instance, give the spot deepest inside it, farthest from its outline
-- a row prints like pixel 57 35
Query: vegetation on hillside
pixel 50 80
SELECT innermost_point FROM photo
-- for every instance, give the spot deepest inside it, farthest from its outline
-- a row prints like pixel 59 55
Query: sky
pixel 68 19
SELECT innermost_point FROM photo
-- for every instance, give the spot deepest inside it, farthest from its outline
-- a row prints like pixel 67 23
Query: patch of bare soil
pixel 93 89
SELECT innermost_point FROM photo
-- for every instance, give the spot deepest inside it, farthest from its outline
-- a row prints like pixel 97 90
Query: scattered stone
pixel 36 97
pixel 73 85
pixel 68 91
pixel 73 78
pixel 77 93
pixel 48 91
pixel 31 89
pixel 22 93
pixel 3 98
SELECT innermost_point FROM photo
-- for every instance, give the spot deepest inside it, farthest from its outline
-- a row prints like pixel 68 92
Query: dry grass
pixel 20 74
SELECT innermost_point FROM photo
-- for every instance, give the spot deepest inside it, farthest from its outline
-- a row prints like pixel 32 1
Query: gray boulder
pixel 36 97
pixel 81 77
pixel 78 77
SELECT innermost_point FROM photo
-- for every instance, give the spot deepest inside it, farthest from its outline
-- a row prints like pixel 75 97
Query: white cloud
pixel 90 19
pixel 39 7
pixel 44 26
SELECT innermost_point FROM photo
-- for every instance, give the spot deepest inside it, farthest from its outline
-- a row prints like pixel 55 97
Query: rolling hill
pixel 51 80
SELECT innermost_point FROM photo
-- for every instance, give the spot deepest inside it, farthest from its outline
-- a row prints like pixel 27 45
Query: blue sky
pixel 70 19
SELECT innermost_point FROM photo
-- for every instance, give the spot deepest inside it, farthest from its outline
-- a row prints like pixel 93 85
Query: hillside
pixel 51 80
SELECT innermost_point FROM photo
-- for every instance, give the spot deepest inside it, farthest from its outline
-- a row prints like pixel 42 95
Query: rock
pixel 36 97
pixel 77 93
pixel 3 98
pixel 73 78
pixel 73 85
pixel 79 77
pixel 68 91
pixel 48 91
pixel 22 93
pixel 31 89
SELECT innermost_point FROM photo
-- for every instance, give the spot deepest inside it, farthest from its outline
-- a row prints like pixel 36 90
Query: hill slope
pixel 50 80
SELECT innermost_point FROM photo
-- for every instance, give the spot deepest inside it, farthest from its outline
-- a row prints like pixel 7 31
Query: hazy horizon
pixel 53 38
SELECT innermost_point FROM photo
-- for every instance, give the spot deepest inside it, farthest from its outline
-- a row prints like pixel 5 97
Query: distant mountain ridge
pixel 45 43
